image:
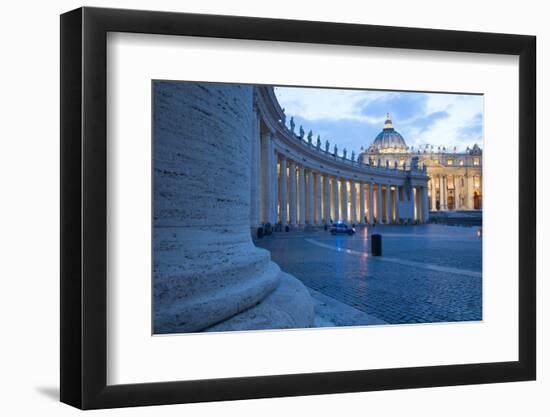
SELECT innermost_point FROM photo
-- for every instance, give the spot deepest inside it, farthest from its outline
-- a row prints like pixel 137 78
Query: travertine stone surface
pixel 206 268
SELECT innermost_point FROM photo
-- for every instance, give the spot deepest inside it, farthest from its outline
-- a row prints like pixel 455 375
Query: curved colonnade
pixel 299 183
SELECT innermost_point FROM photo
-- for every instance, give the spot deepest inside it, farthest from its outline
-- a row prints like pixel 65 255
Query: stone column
pixel 441 193
pixel 310 201
pixel 445 193
pixel 434 192
pixel 326 199
pixel 470 192
pixel 284 192
pixel 266 173
pixel 425 205
pixel 318 199
pixel 388 204
pixel 396 203
pixel 361 202
pixel 344 191
pixel 302 202
pixel 293 204
pixel 275 214
pixel 458 192
pixel 335 200
pixel 255 176
pixel 379 203
pixel 371 203
pixel 207 273
pixel 353 210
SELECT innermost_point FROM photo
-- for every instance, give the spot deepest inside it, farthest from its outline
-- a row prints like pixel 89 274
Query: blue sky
pixel 353 118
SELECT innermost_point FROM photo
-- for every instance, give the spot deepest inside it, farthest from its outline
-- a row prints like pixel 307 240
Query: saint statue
pixel 327 146
pixel 352 156
pixel 309 137
pixel 335 150
pixel 318 141
pixel 301 136
pixel 292 124
pixel 345 153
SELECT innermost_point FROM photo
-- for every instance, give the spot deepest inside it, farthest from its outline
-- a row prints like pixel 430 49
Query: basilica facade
pixel 455 178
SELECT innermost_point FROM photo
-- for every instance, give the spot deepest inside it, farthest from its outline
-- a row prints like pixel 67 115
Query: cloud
pixel 425 123
pixel 472 130
pixel 400 106
pixel 353 118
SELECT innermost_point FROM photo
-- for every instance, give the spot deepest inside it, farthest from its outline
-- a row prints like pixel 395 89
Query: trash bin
pixel 376 245
pixel 287 228
pixel 260 232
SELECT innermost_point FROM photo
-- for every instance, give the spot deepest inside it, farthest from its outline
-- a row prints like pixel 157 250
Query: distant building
pixel 455 178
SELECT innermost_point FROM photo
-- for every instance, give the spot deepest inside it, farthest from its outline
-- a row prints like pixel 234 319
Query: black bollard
pixel 287 228
pixel 376 245
pixel 326 226
pixel 260 232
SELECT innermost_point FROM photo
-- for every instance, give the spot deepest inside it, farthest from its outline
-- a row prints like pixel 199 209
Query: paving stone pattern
pixel 390 291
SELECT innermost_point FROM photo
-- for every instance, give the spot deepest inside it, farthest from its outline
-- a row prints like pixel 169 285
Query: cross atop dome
pixel 388 123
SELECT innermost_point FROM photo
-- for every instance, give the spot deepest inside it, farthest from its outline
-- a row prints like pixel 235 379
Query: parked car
pixel 341 227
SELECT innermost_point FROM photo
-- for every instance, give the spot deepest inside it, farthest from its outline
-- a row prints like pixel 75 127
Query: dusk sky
pixel 353 118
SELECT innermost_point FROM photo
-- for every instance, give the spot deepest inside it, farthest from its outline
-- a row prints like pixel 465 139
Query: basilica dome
pixel 388 140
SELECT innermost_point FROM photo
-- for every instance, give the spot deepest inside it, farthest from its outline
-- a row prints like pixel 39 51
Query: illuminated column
pixel 379 203
pixel 371 203
pixel 284 192
pixel 302 202
pixel 445 193
pixel 461 191
pixel 353 202
pixel 425 205
pixel 293 205
pixel 396 203
pixel 335 200
pixel 344 190
pixel 326 199
pixel 318 199
pixel 470 192
pixel 309 206
pixel 434 196
pixel 361 202
pixel 388 203
pixel 441 193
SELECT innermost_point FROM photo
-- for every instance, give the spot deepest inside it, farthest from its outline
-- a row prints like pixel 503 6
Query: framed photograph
pixel 257 208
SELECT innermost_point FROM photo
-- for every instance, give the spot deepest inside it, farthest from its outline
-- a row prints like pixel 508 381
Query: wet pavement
pixel 426 274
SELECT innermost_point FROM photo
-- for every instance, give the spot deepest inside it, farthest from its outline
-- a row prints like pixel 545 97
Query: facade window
pixel 476 161
pixel 461 162
pixel 450 161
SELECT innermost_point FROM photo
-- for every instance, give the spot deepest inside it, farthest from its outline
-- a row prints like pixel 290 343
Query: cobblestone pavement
pixel 427 274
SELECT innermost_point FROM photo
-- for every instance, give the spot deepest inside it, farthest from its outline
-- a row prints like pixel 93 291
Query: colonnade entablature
pixel 297 182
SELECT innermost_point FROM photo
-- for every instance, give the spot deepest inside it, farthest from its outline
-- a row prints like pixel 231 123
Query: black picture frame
pixel 84 207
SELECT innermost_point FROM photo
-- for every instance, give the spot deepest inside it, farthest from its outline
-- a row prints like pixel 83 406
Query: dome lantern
pixel 389 140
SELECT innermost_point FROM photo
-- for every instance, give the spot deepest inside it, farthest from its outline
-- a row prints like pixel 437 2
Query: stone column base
pixel 289 306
